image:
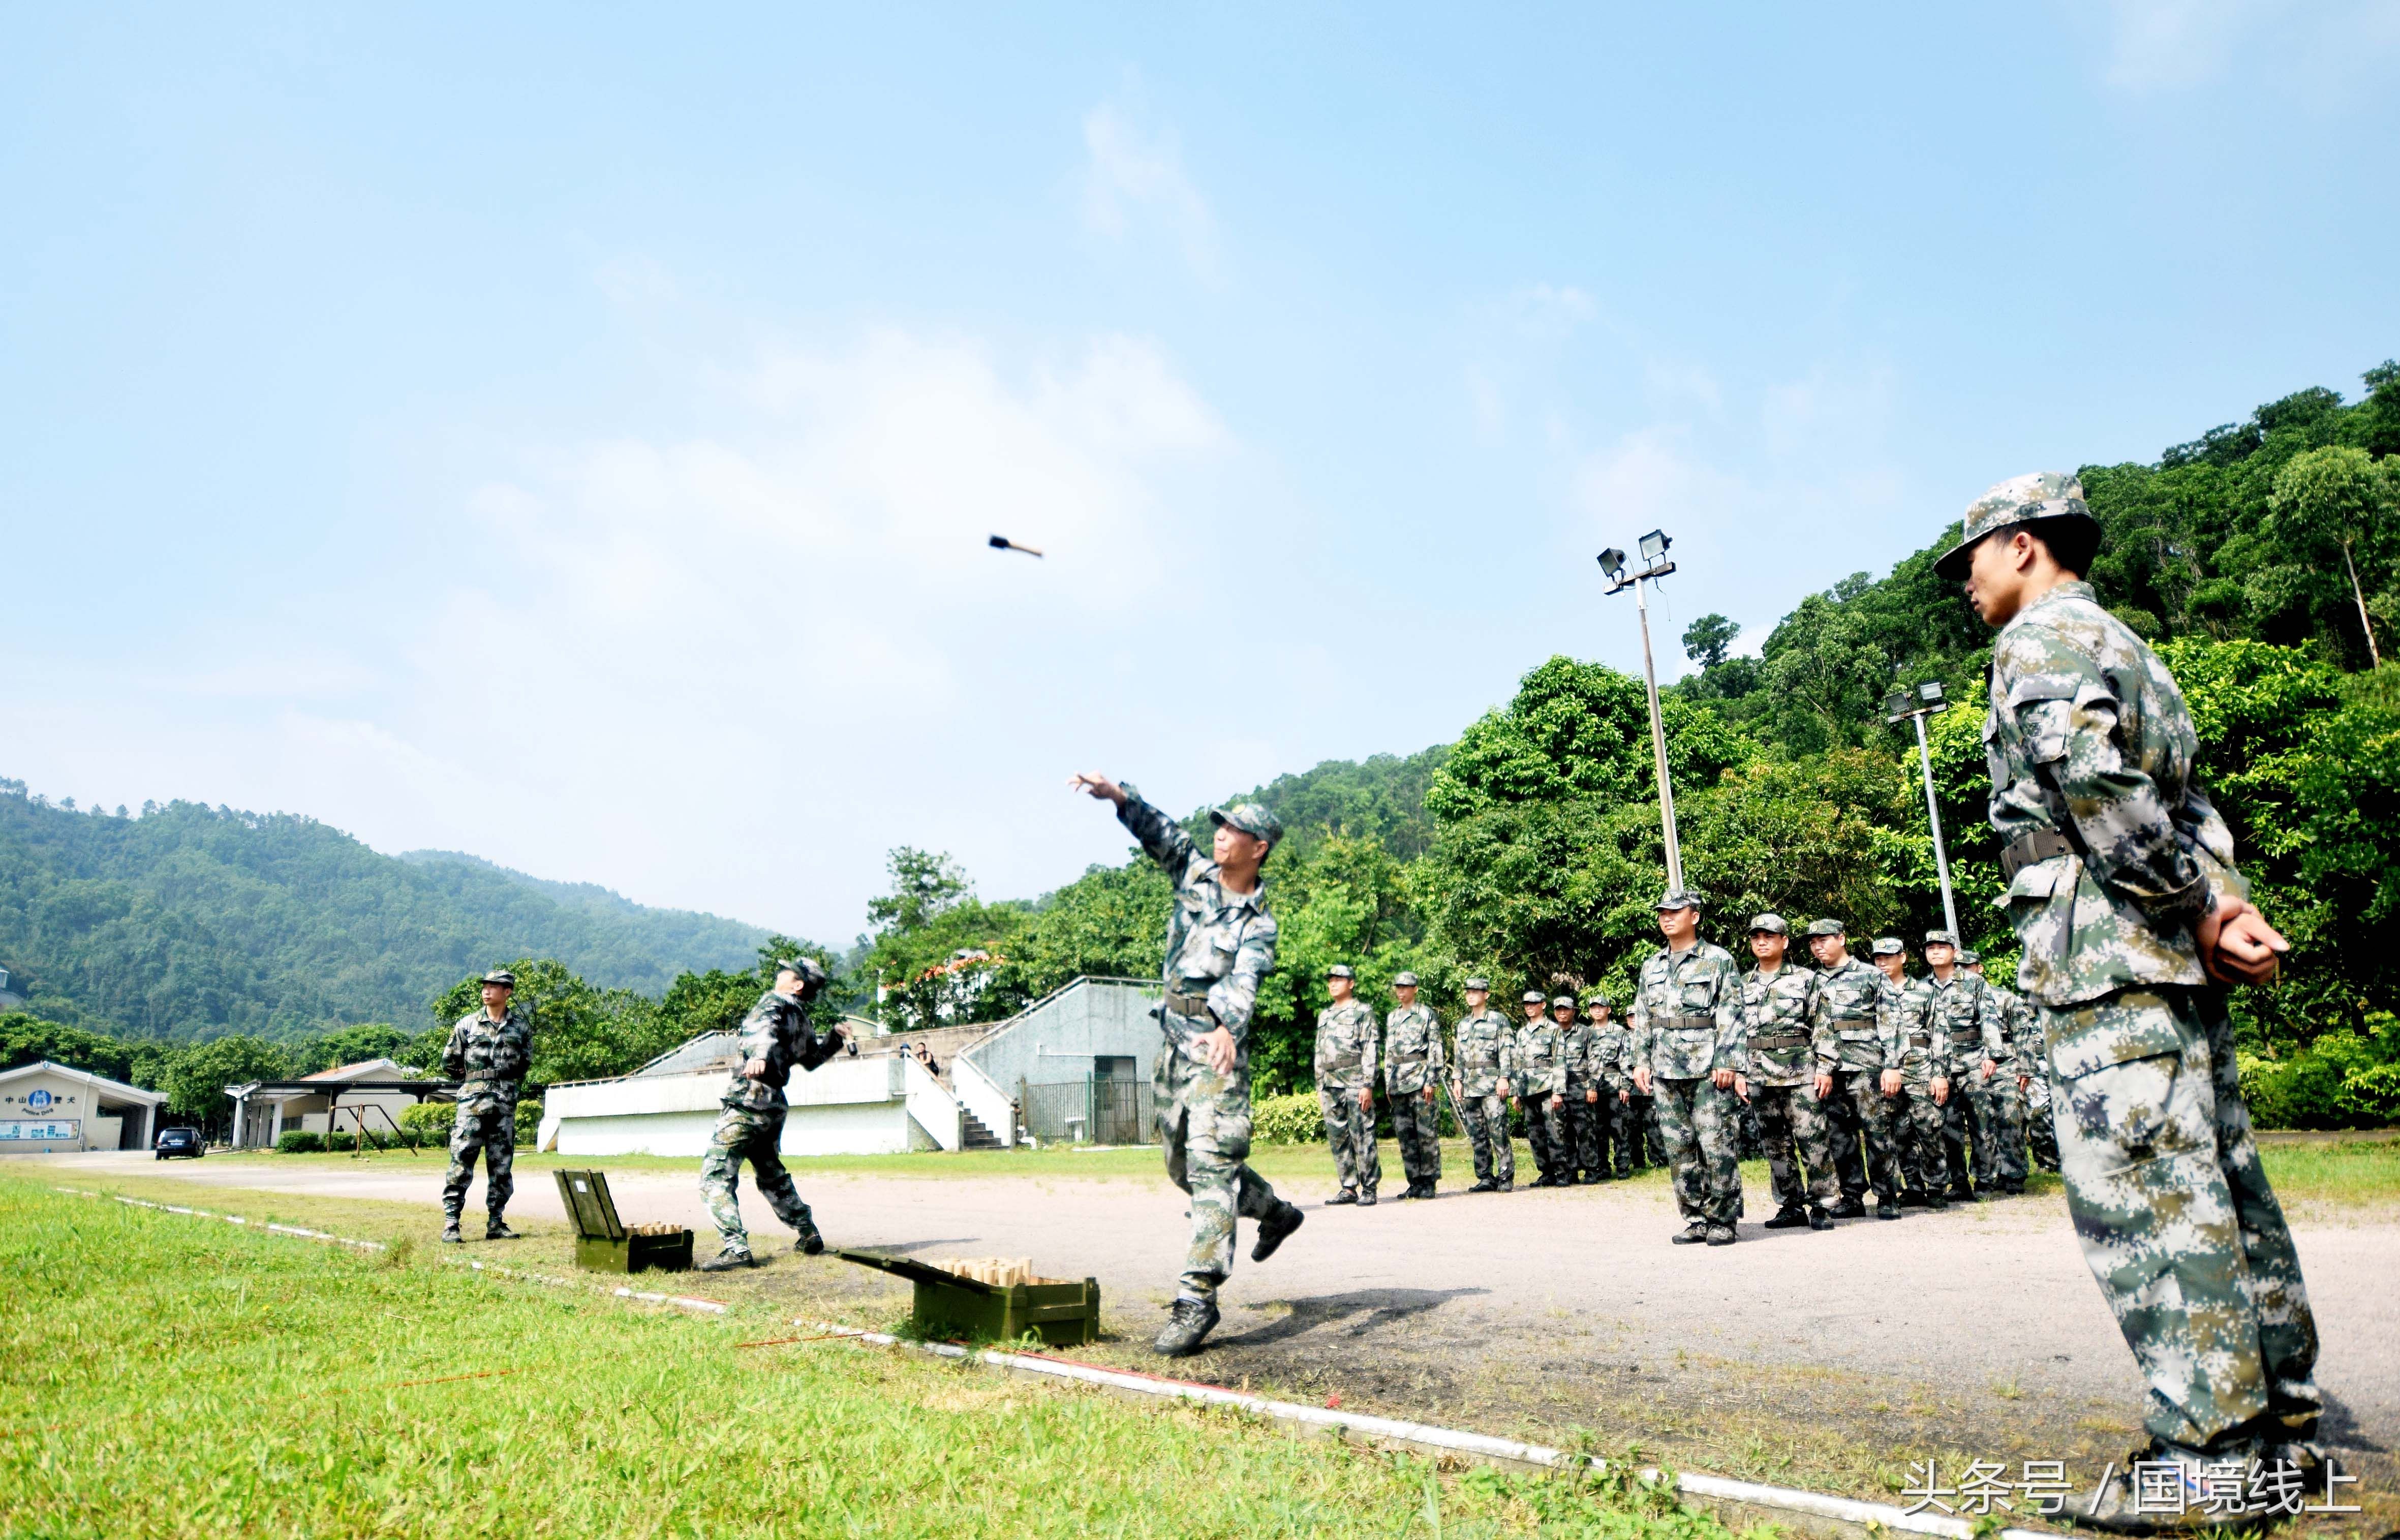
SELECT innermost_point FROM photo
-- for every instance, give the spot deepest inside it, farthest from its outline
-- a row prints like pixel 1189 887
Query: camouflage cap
pixel 1404 981
pixel 1969 958
pixel 1597 997
pixel 1827 926
pixel 811 972
pixel 502 977
pixel 1531 997
pixel 1941 938
pixel 1339 970
pixel 1677 898
pixel 1482 984
pixel 2019 499
pixel 1562 1002
pixel 1890 945
pixel 1251 819
pixel 1773 924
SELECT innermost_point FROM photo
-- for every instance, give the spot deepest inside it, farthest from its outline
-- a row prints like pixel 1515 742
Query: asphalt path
pixel 1988 1294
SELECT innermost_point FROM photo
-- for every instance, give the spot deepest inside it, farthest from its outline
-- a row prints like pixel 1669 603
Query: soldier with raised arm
pixel 1346 1052
pixel 1690 1051
pixel 1220 942
pixel 488 1055
pixel 1486 1054
pixel 772 1041
pixel 2132 920
pixel 1412 1065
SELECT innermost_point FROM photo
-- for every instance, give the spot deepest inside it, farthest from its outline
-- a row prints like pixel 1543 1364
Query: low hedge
pixel 2343 1080
pixel 1286 1120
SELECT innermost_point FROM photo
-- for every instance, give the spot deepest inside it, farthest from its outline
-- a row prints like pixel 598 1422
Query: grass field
pixel 168 1376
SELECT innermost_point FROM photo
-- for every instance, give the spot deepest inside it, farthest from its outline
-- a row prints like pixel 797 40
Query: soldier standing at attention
pixel 1917 1083
pixel 2132 919
pixel 1612 1114
pixel 1583 1110
pixel 488 1054
pixel 1690 1051
pixel 1848 1030
pixel 1345 1088
pixel 774 1038
pixel 2023 1061
pixel 1984 1121
pixel 1413 1078
pixel 1778 1006
pixel 1536 1060
pixel 1220 943
pixel 1486 1057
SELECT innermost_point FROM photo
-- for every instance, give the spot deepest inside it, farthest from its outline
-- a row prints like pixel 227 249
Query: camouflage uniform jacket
pixel 2021 1034
pixel 1779 1011
pixel 1609 1042
pixel 1411 1049
pixel 1487 1052
pixel 1849 1019
pixel 489 1058
pixel 1218 944
pixel 1345 1046
pixel 1971 1020
pixel 1687 1016
pixel 1541 1058
pixel 1580 1049
pixel 776 1030
pixel 2089 738
pixel 1915 1040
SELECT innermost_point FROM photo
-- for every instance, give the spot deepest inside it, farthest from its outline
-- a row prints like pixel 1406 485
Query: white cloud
pixel 2323 49
pixel 1131 175
pixel 2155 44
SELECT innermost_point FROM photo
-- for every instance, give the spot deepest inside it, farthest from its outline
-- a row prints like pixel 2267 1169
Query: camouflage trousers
pixel 2177 1221
pixel 1204 1125
pixel 1544 1133
pixel 1799 1145
pixel 1613 1125
pixel 1350 1129
pixel 1487 1129
pixel 1846 1130
pixel 1996 1111
pixel 1416 1128
pixel 1696 1120
pixel 494 1131
pixel 753 1134
pixel 2039 1131
pixel 1639 1118
pixel 1889 1136
pixel 1583 1120
pixel 1916 1124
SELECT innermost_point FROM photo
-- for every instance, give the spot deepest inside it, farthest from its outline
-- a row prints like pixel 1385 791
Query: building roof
pixel 102 1083
pixel 365 1069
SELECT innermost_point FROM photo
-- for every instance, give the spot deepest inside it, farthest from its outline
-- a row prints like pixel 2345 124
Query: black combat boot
pixel 1484 1184
pixel 1503 1187
pixel 1695 1233
pixel 1366 1197
pixel 1338 1199
pixel 1274 1229
pixel 498 1230
pixel 1886 1208
pixel 811 1243
pixel 1721 1235
pixel 1852 1206
pixel 730 1259
pixel 1790 1217
pixel 1189 1322
pixel 450 1232
pixel 1819 1218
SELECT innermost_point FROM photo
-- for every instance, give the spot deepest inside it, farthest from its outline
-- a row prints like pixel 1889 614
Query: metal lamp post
pixel 1656 564
pixel 1897 707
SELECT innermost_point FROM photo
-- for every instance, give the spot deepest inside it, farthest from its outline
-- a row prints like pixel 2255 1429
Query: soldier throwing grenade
pixel 489 1054
pixel 775 1036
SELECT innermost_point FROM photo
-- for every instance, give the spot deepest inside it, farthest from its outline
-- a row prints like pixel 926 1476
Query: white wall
pixel 849 1107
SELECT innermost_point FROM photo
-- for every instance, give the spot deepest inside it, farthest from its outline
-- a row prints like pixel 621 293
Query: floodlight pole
pixel 1619 579
pixel 1933 817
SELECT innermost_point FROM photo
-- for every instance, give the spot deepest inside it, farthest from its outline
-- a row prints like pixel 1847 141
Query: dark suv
pixel 179 1141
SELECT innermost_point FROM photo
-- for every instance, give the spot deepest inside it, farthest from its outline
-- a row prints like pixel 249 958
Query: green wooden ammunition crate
pixel 1065 1314
pixel 602 1242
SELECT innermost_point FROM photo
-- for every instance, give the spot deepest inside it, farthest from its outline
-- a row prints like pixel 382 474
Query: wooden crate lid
pixel 585 1194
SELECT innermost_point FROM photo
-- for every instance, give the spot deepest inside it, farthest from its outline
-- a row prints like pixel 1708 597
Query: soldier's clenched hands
pixel 1989 1070
pixel 1721 1079
pixel 1824 1085
pixel 1093 783
pixel 1591 1096
pixel 2237 945
pixel 1941 1090
pixel 1892 1082
pixel 755 1070
pixel 1428 1095
pixel 1367 1098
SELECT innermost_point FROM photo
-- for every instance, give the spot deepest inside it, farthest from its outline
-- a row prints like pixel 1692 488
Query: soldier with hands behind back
pixel 774 1040
pixel 1486 1054
pixel 1690 1051
pixel 2133 919
pixel 1848 1045
pixel 1346 1048
pixel 1779 1005
pixel 1220 942
pixel 1915 1084
pixel 1413 1066
pixel 488 1054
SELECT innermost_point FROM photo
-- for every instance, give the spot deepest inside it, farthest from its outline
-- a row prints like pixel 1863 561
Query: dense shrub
pixel 2343 1080
pixel 300 1142
pixel 1286 1120
pixel 430 1120
pixel 529 1123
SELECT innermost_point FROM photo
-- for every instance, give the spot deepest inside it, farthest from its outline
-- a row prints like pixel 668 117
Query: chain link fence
pixel 1091 1110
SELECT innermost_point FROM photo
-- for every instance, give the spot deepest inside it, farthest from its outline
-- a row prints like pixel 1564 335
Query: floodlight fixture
pixel 1654 545
pixel 1002 542
pixel 1930 693
pixel 1895 707
pixel 1611 561
pixel 1655 566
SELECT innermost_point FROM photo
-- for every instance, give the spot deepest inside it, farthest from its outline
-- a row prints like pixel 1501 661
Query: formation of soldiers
pixel 1848 1078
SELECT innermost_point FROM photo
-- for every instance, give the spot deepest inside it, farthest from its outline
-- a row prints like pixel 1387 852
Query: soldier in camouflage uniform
pixel 2132 917
pixel 774 1040
pixel 1779 1009
pixel 1612 1115
pixel 1983 1122
pixel 1346 1047
pixel 1540 1085
pixel 2022 1037
pixel 1690 1051
pixel 1487 1059
pixel 1584 1109
pixel 488 1055
pixel 1413 1066
pixel 1221 940
pixel 1849 1049
pixel 1917 1083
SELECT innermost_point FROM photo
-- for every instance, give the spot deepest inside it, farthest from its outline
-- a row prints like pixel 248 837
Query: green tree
pixel 2327 547
pixel 579 1032
pixel 925 887
pixel 195 1077
pixel 1707 639
pixel 356 1045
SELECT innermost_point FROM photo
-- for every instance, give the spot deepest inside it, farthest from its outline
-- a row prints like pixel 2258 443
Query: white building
pixel 48 1108
pixel 371 1095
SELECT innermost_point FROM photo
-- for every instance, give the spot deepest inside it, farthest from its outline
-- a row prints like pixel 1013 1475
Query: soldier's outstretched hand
pixel 1093 783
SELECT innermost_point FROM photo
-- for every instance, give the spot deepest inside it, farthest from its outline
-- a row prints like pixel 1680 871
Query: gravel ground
pixel 1828 1359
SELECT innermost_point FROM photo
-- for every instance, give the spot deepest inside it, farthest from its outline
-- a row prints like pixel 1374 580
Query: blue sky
pixel 570 435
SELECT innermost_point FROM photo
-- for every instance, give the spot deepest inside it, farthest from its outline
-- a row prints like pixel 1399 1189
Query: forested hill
pixel 191 922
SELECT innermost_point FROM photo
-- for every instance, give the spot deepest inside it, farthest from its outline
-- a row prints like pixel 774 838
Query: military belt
pixel 1689 1024
pixel 1189 1005
pixel 1920 1039
pixel 1780 1039
pixel 2027 849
